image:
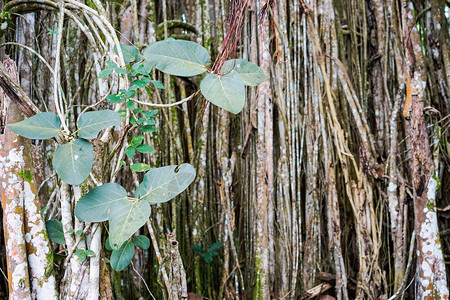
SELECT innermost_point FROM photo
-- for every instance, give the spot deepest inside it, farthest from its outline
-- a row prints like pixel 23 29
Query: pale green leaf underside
pixel 91 123
pixel 39 127
pixel 122 257
pixel 177 57
pixel 73 161
pixel 95 205
pixel 225 91
pixel 126 217
pixel 162 184
pixel 250 73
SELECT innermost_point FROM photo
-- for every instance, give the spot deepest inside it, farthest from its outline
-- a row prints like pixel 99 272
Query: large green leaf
pixel 126 217
pixel 250 73
pixel 73 161
pixel 55 231
pixel 95 205
pixel 122 257
pixel 162 184
pixel 177 57
pixel 39 127
pixel 92 122
pixel 225 91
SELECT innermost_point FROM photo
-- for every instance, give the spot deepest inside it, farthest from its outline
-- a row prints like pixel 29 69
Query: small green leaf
pixel 145 148
pixel 121 71
pixel 55 231
pixel 250 73
pixel 73 161
pixel 151 113
pixel 81 255
pixel 137 110
pixel 215 246
pixel 122 257
pixel 158 84
pixel 70 231
pixel 95 205
pixel 148 128
pixel 136 140
pixel 115 98
pixel 39 127
pixel 111 64
pixel 162 184
pixel 105 73
pixel 79 232
pixel 126 217
pixel 90 253
pixel 225 91
pixel 25 174
pixel 130 104
pixel 142 242
pixel 207 257
pixel 140 167
pixel 130 151
pixel 198 248
pixel 141 83
pixel 178 57
pixel 122 163
pixel 91 123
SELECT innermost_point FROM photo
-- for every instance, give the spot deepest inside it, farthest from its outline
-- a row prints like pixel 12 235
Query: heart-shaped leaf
pixel 73 161
pixel 126 217
pixel 250 73
pixel 95 205
pixel 91 123
pixel 122 257
pixel 162 184
pixel 39 127
pixel 55 231
pixel 177 57
pixel 226 91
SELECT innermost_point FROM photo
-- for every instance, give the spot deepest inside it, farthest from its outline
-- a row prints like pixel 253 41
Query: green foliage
pixel 25 174
pixel 142 242
pixel 81 255
pixel 111 67
pixel 162 184
pixel 122 257
pixel 55 231
pixel 95 205
pixel 73 161
pixel 91 123
pixel 140 167
pixel 250 73
pixel 208 254
pixel 39 127
pixel 125 214
pixel 226 91
pixel 178 57
pixel 129 215
pixel 130 53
